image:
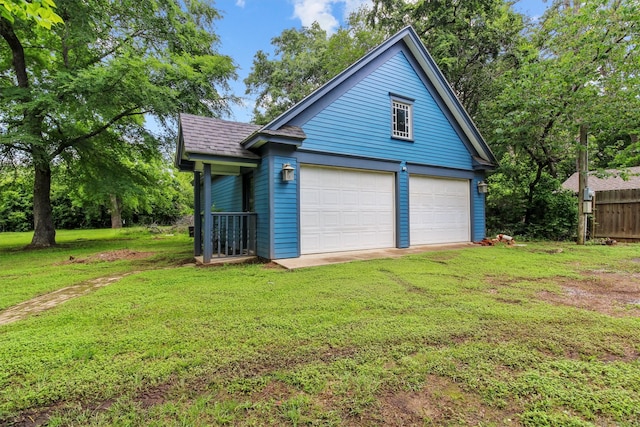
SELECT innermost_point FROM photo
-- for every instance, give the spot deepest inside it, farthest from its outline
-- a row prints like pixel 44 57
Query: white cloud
pixel 240 3
pixel 322 11
pixel 351 6
pixel 310 11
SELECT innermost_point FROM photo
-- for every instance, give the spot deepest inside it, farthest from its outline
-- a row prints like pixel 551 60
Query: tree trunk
pixel 116 211
pixel 533 185
pixel 44 234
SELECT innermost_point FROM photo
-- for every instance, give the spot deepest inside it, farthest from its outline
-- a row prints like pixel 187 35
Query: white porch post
pixel 208 219
pixel 197 215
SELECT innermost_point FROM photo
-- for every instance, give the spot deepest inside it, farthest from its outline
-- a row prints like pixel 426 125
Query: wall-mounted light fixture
pixel 483 187
pixel 288 172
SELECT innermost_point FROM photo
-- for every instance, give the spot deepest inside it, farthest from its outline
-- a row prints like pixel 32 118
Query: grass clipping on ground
pixel 545 334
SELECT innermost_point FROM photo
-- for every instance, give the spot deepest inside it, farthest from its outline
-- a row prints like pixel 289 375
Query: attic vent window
pixel 401 119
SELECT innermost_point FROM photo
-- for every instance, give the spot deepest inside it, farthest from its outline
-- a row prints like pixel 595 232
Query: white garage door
pixel 345 209
pixel 439 210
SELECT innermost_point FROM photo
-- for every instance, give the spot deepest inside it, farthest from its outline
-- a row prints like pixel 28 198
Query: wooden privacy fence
pixel 617 214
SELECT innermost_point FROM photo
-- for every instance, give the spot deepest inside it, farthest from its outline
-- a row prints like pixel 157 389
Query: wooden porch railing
pixel 234 234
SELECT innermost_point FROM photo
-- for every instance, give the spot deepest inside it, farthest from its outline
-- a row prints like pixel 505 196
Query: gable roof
pixel 613 182
pixel 412 41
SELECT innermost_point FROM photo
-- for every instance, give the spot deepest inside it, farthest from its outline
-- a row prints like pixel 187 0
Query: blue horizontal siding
pixel 261 206
pixel 359 121
pixel 402 185
pixel 478 214
pixel 226 193
pixel 285 210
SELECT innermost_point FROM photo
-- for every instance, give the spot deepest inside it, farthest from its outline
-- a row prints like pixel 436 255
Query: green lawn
pixel 460 337
pixel 25 274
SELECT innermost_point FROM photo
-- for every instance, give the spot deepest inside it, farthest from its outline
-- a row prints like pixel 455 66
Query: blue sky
pixel 249 25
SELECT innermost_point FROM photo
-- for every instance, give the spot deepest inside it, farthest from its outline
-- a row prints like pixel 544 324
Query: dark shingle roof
pixel 613 182
pixel 205 135
pixel 286 131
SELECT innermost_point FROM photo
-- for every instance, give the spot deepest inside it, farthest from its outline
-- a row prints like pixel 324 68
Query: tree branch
pixel 57 123
pixel 133 111
pixel 113 50
pixel 19 63
pixel 16 146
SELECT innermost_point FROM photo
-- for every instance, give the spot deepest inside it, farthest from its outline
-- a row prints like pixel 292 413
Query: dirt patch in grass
pixel 442 258
pixel 274 390
pixel 243 369
pixel 410 287
pixel 440 402
pixel 110 256
pixel 154 396
pixel 612 293
pixel 272 266
pixel 32 418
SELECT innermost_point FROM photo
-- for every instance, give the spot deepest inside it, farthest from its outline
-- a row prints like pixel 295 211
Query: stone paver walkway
pixel 55 298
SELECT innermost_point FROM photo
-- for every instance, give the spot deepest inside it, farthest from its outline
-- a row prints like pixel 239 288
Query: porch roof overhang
pixel 219 165
pixel 226 145
pixel 203 140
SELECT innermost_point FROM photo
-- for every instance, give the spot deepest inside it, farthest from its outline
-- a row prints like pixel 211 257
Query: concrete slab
pixel 225 260
pixel 342 257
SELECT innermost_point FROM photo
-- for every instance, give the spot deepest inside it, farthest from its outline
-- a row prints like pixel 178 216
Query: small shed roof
pixel 612 182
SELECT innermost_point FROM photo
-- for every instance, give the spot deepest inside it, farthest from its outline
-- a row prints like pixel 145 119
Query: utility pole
pixel 583 176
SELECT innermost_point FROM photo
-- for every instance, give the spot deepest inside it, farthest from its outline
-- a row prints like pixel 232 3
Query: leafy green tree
pixel 123 178
pixel 109 67
pixel 280 83
pixel 550 214
pixel 74 205
pixel 142 184
pixel 172 200
pixel 304 60
pixel 577 66
pixel 15 200
pixel 40 11
pixel 68 211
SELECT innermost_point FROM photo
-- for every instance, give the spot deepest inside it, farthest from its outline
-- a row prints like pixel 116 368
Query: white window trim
pixel 407 105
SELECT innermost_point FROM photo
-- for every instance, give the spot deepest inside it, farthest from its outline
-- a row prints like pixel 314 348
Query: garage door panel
pixel 439 210
pixel 331 219
pixel 350 219
pixel 369 199
pixel 330 198
pixel 345 209
pixel 350 197
pixel 311 197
